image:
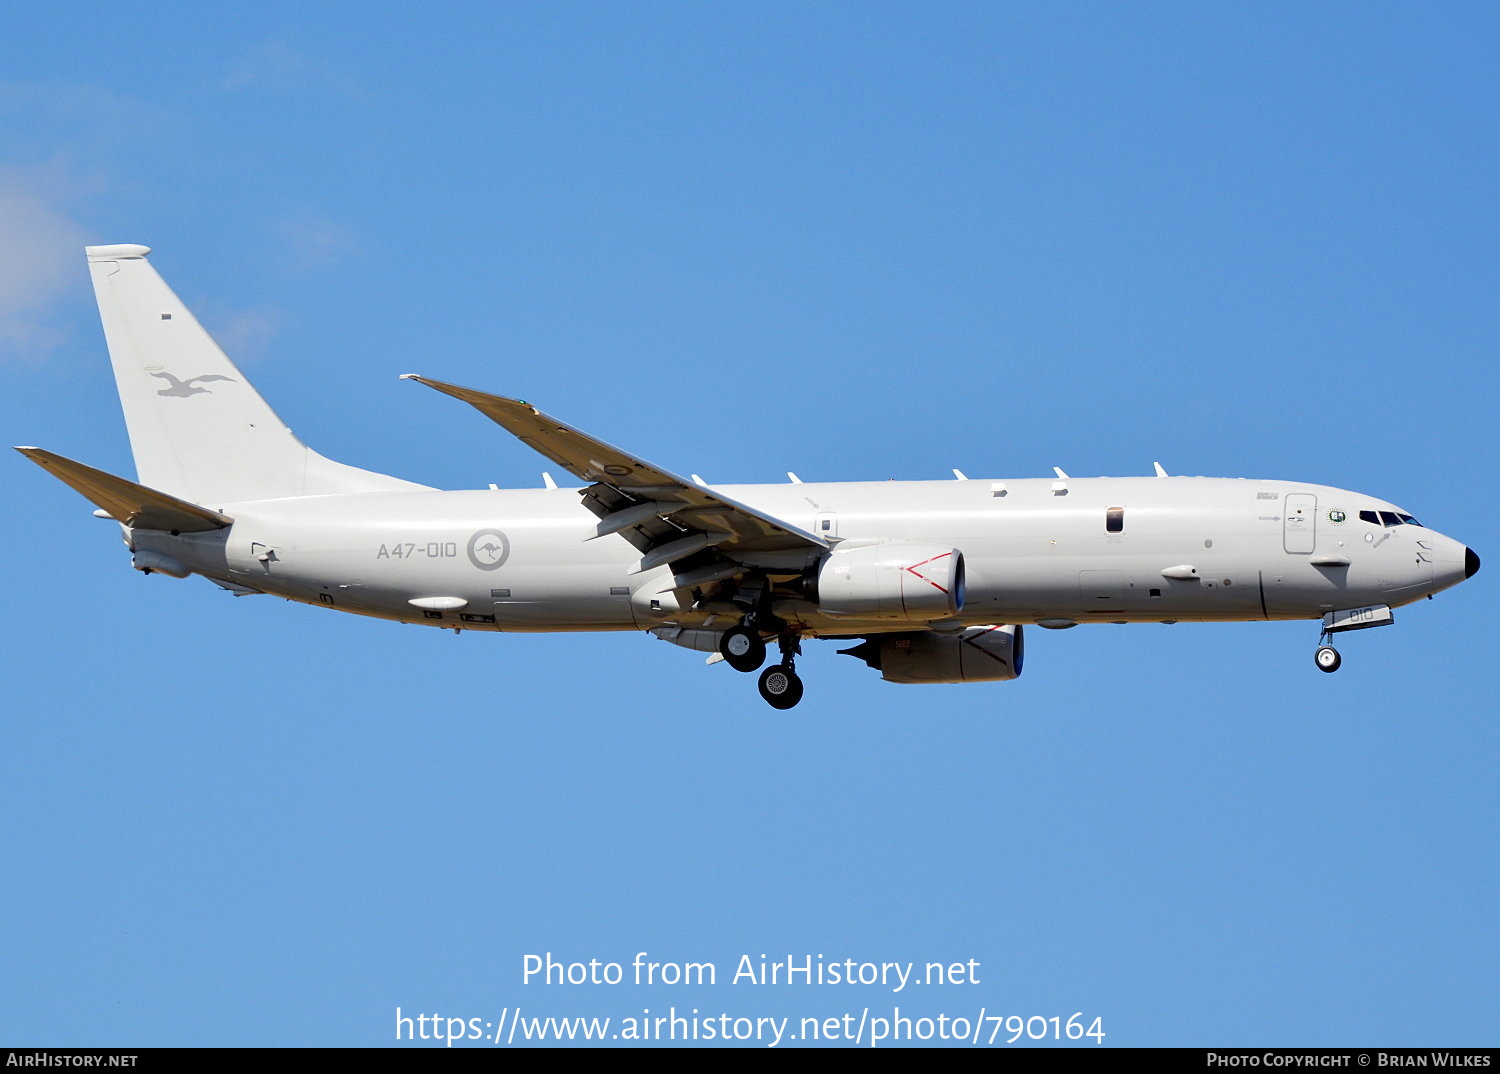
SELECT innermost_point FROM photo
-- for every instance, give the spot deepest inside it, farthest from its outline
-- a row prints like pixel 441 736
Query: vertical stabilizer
pixel 198 429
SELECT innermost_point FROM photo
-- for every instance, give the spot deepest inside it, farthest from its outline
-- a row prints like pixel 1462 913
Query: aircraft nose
pixel 1471 563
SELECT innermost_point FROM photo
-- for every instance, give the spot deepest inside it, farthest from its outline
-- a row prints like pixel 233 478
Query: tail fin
pixel 198 430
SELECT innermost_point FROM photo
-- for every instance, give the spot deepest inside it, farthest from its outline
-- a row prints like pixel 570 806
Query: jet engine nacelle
pixel 915 582
pixel 978 654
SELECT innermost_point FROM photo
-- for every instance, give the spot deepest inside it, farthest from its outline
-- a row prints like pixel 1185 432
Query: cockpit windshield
pixel 1387 518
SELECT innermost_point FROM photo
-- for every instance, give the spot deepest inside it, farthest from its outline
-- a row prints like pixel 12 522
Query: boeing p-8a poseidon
pixel 928 581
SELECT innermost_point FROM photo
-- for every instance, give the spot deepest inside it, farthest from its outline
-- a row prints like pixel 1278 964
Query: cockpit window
pixel 1387 518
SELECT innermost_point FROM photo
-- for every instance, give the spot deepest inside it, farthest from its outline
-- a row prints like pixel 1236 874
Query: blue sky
pixel 855 241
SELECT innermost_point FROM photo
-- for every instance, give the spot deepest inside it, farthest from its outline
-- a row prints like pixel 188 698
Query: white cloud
pixel 315 240
pixel 273 68
pixel 79 122
pixel 58 138
pixel 245 335
pixel 41 254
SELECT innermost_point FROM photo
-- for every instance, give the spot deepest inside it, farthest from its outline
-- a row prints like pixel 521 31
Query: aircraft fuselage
pixel 1036 551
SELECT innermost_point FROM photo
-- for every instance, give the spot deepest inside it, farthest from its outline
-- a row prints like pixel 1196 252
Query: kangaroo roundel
pixel 488 549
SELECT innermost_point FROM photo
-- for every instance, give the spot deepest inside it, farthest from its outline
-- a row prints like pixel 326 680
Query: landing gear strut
pixel 779 684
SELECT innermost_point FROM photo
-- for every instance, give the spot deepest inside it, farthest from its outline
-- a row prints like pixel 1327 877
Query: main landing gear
pixel 744 650
pixel 780 686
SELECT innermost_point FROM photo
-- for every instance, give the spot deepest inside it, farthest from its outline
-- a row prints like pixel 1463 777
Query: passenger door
pixel 1300 523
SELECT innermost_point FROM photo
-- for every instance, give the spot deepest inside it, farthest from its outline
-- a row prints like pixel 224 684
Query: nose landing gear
pixel 1328 658
pixel 1372 615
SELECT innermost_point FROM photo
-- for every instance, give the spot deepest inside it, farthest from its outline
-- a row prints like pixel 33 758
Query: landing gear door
pixel 1299 524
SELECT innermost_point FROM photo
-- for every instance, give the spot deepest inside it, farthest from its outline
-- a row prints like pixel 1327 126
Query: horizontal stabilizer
pixel 135 505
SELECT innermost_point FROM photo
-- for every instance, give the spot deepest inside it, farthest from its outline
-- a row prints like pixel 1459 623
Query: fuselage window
pixel 1114 520
pixel 1370 517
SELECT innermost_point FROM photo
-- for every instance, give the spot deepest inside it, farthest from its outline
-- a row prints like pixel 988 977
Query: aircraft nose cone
pixel 1471 563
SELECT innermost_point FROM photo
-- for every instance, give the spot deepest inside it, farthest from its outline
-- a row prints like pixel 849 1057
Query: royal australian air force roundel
pixel 488 549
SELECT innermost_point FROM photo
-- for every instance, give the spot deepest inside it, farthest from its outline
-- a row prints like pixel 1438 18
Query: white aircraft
pixel 931 580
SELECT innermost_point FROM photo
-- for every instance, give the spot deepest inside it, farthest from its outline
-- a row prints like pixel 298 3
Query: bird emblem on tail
pixel 182 388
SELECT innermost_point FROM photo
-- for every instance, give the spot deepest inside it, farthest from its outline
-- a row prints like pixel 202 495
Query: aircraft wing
pixel 704 535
